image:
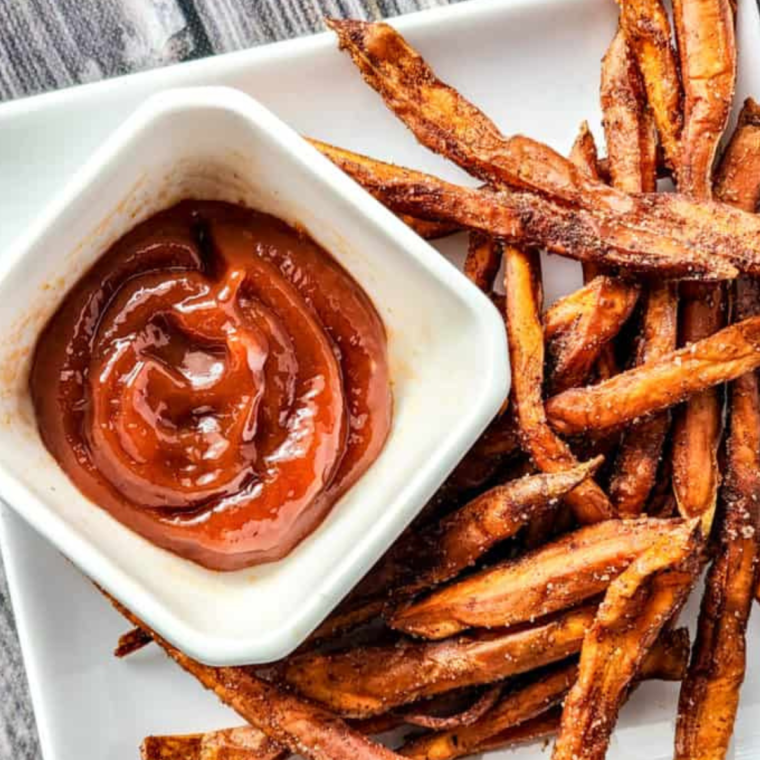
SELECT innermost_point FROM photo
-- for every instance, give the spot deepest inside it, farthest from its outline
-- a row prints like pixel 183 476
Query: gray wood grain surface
pixel 49 44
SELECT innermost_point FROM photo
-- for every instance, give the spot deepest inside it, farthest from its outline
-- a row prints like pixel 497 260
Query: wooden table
pixel 49 44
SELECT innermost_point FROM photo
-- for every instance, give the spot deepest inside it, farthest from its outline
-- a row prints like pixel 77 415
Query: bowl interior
pixel 446 351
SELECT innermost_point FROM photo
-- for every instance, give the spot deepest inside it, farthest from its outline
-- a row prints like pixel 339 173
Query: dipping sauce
pixel 216 382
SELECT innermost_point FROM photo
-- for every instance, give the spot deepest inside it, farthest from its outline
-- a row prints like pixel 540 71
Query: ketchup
pixel 216 382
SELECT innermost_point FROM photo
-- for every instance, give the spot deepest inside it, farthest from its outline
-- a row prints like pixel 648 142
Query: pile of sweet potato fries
pixel 545 579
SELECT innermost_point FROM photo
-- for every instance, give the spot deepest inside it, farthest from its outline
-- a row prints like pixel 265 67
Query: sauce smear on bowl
pixel 216 382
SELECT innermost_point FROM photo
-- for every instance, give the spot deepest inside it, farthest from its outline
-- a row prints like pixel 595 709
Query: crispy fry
pixel 628 124
pixel 526 353
pixel 466 717
pixel 705 34
pixel 537 729
pixel 431 555
pixel 647 30
pixel 667 660
pixel 710 693
pixel 554 577
pixel 736 179
pixel 635 608
pixel 244 743
pixel 707 49
pixel 483 260
pixel 302 727
pixel 667 234
pixel 583 155
pixel 638 458
pixel 601 309
pixel 430 229
pixel 366 681
pixel 131 641
pixel 659 384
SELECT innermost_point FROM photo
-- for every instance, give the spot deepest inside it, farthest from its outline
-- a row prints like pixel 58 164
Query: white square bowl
pixel 446 343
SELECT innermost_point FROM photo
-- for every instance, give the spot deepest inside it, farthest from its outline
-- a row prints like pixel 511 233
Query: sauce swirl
pixel 216 382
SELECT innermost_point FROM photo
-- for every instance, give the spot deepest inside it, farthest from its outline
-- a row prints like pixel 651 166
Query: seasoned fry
pixel 659 384
pixel 483 260
pixel 635 608
pixel 705 34
pixel 366 681
pixel 638 458
pixel 131 641
pixel 526 354
pixel 554 577
pixel 431 555
pixel 736 179
pixel 707 49
pixel 583 154
pixel 537 729
pixel 430 229
pixel 302 727
pixel 667 660
pixel 628 124
pixel 467 717
pixel 244 743
pixel 667 233
pixel 647 30
pixel 601 308
pixel 710 693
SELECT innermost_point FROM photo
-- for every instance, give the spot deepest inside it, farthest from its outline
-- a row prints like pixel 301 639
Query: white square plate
pixel 533 65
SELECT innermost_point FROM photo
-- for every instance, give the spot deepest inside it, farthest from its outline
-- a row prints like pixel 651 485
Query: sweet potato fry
pixel 707 49
pixel 601 308
pixel 430 229
pixel 244 743
pixel 710 693
pixel 640 452
pixel 705 34
pixel 583 155
pixel 431 555
pixel 647 30
pixel 659 384
pixel 483 260
pixel 300 726
pixel 554 577
pixel 637 605
pixel 667 660
pixel 366 681
pixel 526 352
pixel 628 123
pixel 667 234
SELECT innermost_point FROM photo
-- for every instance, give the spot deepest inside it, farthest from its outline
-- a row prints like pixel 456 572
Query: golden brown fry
pixel 601 308
pixel 554 577
pixel 583 155
pixel 667 233
pixel 431 555
pixel 647 30
pixel 366 681
pixel 628 124
pixel 659 384
pixel 667 660
pixel 707 49
pixel 483 260
pixel 244 743
pixel 430 229
pixel 710 693
pixel 537 729
pixel 736 179
pixel 705 34
pixel 131 641
pixel 304 728
pixel 640 452
pixel 526 353
pixel 635 608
